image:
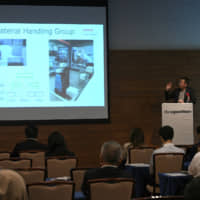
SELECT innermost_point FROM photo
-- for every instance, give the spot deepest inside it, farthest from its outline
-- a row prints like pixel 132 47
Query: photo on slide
pixel 71 66
pixel 12 52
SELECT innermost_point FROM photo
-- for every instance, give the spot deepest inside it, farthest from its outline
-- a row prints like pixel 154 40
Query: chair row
pixel 161 198
pixel 35 175
pixel 106 189
pixel 118 189
pixel 54 166
pixel 38 157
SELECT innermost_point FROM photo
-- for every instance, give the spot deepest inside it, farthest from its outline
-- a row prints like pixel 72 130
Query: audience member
pixel 57 146
pixel 194 167
pixel 124 156
pixel 166 134
pixel 192 191
pixel 12 186
pixel 110 156
pixel 31 142
pixel 136 139
pixel 192 151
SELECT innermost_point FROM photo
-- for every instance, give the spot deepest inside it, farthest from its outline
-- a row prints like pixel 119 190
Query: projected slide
pixel 51 65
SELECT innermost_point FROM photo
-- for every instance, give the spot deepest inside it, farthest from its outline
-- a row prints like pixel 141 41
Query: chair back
pixel 4 155
pixel 38 158
pixel 62 190
pixel 16 163
pixel 161 198
pixel 32 175
pixel 167 163
pixel 107 189
pixel 140 155
pixel 77 175
pixel 60 166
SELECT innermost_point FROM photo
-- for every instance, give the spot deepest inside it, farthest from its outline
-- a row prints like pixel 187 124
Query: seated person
pixel 166 135
pixel 136 139
pixel 124 156
pixel 192 151
pixel 57 146
pixel 192 191
pixel 109 160
pixel 31 142
pixel 194 167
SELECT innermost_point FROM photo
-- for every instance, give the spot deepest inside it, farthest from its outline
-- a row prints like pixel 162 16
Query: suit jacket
pixel 29 144
pixel 190 153
pixel 174 95
pixel 105 172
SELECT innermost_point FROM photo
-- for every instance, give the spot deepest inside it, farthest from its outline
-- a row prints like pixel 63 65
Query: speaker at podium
pixel 180 117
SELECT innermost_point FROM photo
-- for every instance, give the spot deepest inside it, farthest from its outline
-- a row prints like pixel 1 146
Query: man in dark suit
pixel 31 142
pixel 182 94
pixel 110 158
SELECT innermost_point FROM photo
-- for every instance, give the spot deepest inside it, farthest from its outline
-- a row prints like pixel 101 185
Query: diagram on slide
pixel 71 66
pixel 12 52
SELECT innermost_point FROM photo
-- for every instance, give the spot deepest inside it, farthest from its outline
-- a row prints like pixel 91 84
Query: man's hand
pixel 169 86
pixel 180 101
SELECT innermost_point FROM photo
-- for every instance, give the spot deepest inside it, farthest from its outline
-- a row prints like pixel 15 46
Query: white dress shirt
pixel 167 148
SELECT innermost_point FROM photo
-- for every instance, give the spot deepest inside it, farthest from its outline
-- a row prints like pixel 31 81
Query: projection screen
pixel 53 62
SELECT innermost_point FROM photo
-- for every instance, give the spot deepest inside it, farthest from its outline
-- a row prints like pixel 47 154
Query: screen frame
pixel 78 3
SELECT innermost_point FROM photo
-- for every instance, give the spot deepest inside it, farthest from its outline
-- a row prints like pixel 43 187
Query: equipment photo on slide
pixel 71 66
pixel 12 52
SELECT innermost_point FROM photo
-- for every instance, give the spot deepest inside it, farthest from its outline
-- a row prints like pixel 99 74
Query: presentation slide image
pixel 71 66
pixel 12 52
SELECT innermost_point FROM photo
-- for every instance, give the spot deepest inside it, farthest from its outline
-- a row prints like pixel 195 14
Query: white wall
pixel 154 24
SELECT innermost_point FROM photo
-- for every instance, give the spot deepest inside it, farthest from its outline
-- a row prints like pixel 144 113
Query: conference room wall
pixel 137 80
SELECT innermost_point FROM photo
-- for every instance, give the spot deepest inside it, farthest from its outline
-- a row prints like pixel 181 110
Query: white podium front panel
pixel 180 117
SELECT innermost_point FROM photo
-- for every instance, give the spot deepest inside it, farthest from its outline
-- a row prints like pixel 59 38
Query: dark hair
pixel 186 79
pixel 31 132
pixel 166 132
pixel 57 145
pixel 137 137
pixel 111 152
pixel 192 190
pixel 123 157
pixel 198 129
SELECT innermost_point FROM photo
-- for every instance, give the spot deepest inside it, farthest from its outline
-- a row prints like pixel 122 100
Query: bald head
pixel 111 153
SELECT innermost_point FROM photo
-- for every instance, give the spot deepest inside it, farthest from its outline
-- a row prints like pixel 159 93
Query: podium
pixel 180 117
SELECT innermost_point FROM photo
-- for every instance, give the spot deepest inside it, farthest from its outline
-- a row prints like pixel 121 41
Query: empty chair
pixel 60 166
pixel 32 175
pixel 38 158
pixel 4 155
pixel 62 190
pixel 107 189
pixel 77 175
pixel 165 163
pixel 140 155
pixel 16 163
